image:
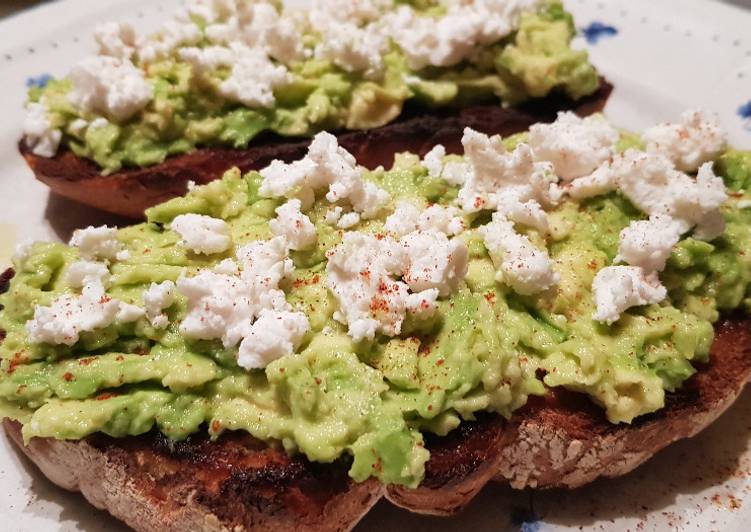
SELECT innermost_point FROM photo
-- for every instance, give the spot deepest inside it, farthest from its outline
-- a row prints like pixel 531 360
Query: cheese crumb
pixel 695 140
pixel 218 306
pixel 201 233
pixel 110 86
pixel 526 269
pixel 273 335
pixel 39 135
pixel 172 35
pixel 361 273
pixel 617 288
pixel 352 48
pixel 116 39
pixel 98 243
pixel 63 321
pixel 83 272
pixel 575 146
pixel 348 220
pixel 434 261
pixel 156 298
pixel 653 185
pixel 293 225
pixel 499 177
pixel 648 243
pixel 450 38
pixel 407 218
pixel 247 306
pixel 253 78
pixel 327 165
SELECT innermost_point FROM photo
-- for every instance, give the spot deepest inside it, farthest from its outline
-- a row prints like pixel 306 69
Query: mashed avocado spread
pixel 212 78
pixel 130 351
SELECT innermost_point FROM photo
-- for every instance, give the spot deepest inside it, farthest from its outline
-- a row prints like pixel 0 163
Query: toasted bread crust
pixel 235 483
pixel 131 191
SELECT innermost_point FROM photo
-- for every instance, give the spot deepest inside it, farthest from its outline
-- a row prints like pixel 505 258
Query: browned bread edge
pixel 131 191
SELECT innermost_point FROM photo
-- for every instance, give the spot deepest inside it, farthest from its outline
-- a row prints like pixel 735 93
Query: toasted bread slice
pixel 131 191
pixel 237 482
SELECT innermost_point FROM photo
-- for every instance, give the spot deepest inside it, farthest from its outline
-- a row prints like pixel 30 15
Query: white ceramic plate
pixel 662 59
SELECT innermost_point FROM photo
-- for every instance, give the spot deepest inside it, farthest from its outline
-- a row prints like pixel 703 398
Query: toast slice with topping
pixel 239 483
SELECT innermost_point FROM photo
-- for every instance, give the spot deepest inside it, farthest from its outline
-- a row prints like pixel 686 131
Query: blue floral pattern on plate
pixel 38 81
pixel 597 30
pixel 744 111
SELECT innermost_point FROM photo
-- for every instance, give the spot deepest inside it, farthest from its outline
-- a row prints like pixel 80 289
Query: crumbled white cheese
pixel 282 179
pixel 694 141
pixel 273 335
pixel 116 39
pixel 453 172
pixel 453 36
pixel 253 78
pixel 156 298
pixel 293 225
pixel 172 35
pixel 22 253
pixel 500 177
pixel 83 272
pixel 207 59
pixel 456 172
pixel 654 186
pixel 648 243
pixel 407 218
pixel 358 13
pixel 110 86
pixel 258 25
pixel 278 34
pixel 352 48
pixel 227 267
pixel 98 122
pixel 433 160
pixel 617 288
pixel 348 220
pixel 429 41
pixel 333 215
pixel 525 268
pixel 265 262
pixel 129 313
pixel 434 261
pixel 326 165
pixel 575 146
pixel 361 274
pixel 78 126
pixel 201 233
pixel 98 243
pixel 599 182
pixel 39 135
pixel 218 306
pixel 69 315
pixel 247 306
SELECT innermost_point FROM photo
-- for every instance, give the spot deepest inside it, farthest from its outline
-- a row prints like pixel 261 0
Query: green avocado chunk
pixel 486 348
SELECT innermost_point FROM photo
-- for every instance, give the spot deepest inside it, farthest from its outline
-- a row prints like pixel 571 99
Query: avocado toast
pixel 426 328
pixel 210 91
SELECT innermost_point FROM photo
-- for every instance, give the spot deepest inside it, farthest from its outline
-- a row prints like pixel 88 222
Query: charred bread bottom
pixel 129 192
